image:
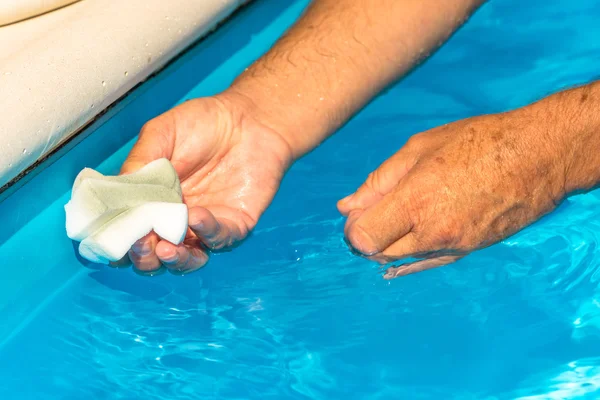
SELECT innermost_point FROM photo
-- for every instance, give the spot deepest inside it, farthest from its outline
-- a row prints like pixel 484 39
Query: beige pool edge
pixel 60 70
pixel 12 11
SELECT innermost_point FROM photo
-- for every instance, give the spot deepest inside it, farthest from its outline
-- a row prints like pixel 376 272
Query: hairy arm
pixel 575 118
pixel 231 151
pixel 466 185
pixel 337 57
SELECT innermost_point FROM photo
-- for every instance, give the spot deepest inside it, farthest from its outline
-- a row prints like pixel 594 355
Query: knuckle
pixel 374 180
pixel 415 203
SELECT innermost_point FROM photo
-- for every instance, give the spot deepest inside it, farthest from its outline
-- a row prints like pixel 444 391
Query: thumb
pixel 379 182
pixel 156 140
pixel 373 230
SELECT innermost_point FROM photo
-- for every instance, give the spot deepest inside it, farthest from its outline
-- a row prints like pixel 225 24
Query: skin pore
pixel 447 192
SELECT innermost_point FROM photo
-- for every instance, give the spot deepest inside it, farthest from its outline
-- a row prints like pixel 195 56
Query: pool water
pixel 291 314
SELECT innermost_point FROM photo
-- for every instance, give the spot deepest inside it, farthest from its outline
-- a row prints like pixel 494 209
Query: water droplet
pixel 167 17
pixel 149 59
pixel 179 31
pixel 9 165
pixel 321 98
pixel 24 151
pixel 42 108
pixel 92 105
pixel 103 83
pixel 299 95
pixel 126 73
pixel 157 358
pixel 146 44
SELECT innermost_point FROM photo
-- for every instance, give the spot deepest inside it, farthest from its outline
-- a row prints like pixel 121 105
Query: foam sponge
pixel 108 214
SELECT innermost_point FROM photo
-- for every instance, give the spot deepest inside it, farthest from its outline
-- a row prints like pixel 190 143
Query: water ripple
pixel 291 314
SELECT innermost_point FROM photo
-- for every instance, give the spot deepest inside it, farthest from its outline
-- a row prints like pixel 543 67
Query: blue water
pixel 291 314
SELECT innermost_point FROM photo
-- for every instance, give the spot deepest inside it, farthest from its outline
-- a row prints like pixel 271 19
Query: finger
pixel 419 266
pixel 156 140
pixel 380 182
pixel 181 259
pixel 122 263
pixel 214 233
pixel 143 256
pixel 407 246
pixel 373 230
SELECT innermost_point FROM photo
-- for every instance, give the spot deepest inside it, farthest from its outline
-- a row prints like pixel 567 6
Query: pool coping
pixel 66 68
pixel 84 130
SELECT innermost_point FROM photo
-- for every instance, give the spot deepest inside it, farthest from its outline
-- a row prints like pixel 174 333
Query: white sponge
pixel 108 214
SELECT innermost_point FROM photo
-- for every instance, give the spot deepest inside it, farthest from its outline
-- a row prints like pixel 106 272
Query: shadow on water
pixel 146 289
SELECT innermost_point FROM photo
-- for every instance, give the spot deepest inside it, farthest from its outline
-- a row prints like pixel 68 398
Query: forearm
pixel 337 57
pixel 574 116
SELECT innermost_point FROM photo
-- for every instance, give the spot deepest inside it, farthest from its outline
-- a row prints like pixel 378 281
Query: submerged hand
pixel 230 166
pixel 455 189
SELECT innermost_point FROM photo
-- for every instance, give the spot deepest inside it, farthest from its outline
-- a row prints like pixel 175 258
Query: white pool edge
pixel 77 61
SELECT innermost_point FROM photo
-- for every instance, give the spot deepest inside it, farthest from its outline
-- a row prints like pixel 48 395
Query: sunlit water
pixel 291 314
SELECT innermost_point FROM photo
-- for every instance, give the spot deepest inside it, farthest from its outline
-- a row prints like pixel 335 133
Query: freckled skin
pixel 500 173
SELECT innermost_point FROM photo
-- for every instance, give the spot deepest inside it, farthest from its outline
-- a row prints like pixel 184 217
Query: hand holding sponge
pixel 108 214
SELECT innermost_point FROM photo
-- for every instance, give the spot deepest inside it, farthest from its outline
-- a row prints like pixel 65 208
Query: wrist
pixel 251 119
pixel 292 119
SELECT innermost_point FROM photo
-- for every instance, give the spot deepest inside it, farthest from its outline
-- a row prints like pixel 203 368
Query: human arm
pixel 466 185
pixel 232 150
pixel 337 57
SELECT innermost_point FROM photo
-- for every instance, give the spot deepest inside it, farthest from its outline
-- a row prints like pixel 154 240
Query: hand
pixel 455 189
pixel 230 166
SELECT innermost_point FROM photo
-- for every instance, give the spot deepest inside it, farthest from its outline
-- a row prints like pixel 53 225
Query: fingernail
pixel 356 251
pixel 171 258
pixel 142 249
pixel 361 243
pixel 197 225
pixel 195 222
